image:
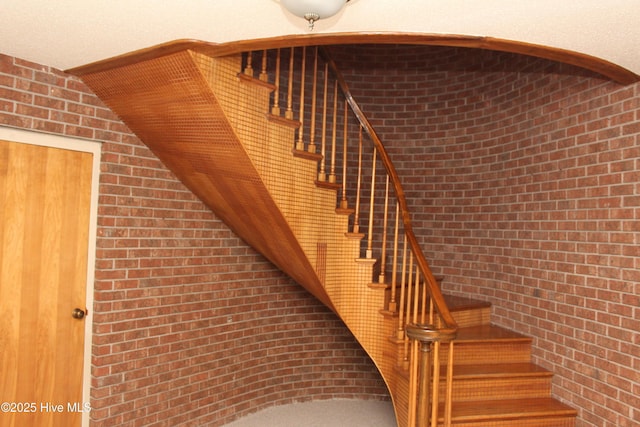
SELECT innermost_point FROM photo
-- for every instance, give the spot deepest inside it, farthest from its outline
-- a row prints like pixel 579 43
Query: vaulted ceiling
pixel 70 33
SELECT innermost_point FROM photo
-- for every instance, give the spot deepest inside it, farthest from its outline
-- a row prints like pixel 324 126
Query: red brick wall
pixel 191 326
pixel 524 179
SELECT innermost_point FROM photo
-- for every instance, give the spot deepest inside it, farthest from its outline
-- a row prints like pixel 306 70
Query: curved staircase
pixel 319 197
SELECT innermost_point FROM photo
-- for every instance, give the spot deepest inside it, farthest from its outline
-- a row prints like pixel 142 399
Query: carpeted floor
pixel 325 413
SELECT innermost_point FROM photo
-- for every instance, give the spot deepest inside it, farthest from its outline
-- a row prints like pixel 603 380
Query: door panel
pixel 45 196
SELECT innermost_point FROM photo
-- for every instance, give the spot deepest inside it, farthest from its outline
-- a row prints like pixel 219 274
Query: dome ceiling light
pixel 313 10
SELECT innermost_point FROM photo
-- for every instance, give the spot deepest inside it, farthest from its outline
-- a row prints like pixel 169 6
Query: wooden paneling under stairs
pixel 494 382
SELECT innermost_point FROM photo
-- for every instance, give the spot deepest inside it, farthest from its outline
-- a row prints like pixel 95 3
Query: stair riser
pixel 476 353
pixel 497 388
pixel 465 319
pixel 487 353
pixel 476 317
pixel 535 422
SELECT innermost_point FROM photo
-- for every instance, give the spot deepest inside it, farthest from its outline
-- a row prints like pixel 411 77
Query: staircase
pixel 303 178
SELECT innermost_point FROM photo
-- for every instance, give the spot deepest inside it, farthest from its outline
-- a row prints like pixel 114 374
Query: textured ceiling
pixel 70 33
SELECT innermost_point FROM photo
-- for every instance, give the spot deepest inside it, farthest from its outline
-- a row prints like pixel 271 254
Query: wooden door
pixel 45 196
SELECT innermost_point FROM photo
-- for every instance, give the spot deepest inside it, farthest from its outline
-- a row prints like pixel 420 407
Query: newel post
pixel 426 373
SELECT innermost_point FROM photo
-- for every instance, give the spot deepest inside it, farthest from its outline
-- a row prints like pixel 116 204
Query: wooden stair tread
pixel 259 83
pixel 302 154
pixel 542 407
pixel 328 185
pixel 502 370
pixel 487 333
pixel 291 123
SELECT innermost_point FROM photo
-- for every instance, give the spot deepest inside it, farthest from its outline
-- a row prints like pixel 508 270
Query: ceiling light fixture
pixel 313 10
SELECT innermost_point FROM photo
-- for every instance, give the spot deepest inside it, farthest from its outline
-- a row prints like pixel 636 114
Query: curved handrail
pixel 438 299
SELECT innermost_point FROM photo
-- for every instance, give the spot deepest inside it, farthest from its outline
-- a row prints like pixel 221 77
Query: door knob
pixel 78 313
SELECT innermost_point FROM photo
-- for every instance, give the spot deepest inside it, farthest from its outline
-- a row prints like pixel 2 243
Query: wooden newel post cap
pixel 429 333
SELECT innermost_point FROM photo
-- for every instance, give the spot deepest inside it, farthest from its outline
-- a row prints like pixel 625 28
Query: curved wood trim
pixel 606 68
pixel 434 288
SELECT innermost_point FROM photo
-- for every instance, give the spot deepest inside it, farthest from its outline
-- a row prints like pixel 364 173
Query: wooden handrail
pixel 450 325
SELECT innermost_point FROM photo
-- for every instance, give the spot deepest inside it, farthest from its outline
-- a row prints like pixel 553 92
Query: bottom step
pixel 539 412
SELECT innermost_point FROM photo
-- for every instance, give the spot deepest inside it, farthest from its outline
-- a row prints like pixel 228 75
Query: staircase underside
pixel 169 104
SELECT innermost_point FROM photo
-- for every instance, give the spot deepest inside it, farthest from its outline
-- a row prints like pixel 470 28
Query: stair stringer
pixel 310 210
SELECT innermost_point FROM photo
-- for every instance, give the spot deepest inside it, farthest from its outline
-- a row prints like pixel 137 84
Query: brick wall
pixel 191 326
pixel 524 181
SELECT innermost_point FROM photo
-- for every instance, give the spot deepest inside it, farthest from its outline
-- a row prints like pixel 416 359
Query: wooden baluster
pixel 343 202
pixel 356 217
pixel 403 283
pixel 383 255
pixel 431 310
pixel 322 175
pixel 393 306
pixel 414 379
pixel 422 380
pixel 371 206
pixel 264 76
pixel 416 297
pixel 423 302
pixel 275 110
pixel 312 134
pixel 288 114
pixel 408 315
pixel 449 388
pixel 300 142
pixel 248 69
pixel 435 383
pixel 332 168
